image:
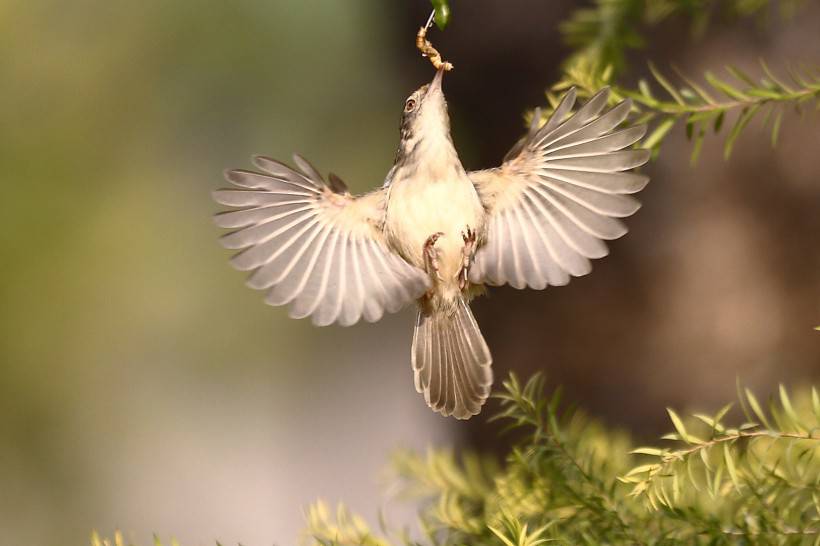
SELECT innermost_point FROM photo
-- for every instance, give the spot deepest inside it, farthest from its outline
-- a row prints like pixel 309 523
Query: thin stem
pixel 679 455
pixel 675 109
pixel 430 19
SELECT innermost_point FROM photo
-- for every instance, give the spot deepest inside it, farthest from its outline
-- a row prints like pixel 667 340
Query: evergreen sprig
pixel 703 108
pixel 345 528
pixel 603 33
pixel 762 475
pixel 119 540
pixel 569 480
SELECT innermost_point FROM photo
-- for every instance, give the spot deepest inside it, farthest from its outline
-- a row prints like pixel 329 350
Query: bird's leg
pixel 431 255
pixel 467 252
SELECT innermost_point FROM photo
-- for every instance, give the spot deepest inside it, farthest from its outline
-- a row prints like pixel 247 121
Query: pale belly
pixel 416 210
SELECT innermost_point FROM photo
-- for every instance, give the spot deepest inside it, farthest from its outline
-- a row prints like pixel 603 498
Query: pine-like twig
pixel 703 108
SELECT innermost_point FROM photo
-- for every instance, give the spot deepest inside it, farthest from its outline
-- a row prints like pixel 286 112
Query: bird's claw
pixel 469 238
pixel 431 254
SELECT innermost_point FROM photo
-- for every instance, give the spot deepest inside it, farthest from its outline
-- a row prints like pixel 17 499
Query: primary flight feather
pixel 435 233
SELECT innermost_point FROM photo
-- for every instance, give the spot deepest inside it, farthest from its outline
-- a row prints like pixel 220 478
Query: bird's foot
pixel 431 255
pixel 467 253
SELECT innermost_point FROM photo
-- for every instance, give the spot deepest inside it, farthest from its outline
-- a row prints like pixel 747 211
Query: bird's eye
pixel 410 105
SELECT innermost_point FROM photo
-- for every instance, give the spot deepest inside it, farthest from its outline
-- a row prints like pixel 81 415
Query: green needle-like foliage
pixel 703 108
pixel 746 474
pixel 345 528
pixel 571 481
pixel 603 33
pixel 601 36
pixel 119 540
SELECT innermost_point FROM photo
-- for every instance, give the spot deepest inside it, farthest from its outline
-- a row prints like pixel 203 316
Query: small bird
pixel 435 234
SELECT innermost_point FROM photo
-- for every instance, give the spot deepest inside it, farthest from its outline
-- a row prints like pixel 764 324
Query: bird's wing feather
pixel 558 196
pixel 312 245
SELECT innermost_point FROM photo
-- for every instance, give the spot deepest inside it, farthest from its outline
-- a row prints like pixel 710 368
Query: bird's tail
pixel 451 361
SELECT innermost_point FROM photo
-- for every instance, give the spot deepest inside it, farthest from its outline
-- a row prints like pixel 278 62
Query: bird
pixel 435 234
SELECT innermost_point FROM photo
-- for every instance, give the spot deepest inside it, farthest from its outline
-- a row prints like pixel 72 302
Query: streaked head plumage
pixel 425 114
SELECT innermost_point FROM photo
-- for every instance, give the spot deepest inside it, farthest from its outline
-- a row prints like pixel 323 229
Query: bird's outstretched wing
pixel 313 245
pixel 558 195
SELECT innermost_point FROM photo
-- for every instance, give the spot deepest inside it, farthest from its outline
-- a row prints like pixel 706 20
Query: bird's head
pixel 424 121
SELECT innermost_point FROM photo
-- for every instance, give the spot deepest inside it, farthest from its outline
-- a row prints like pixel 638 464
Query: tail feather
pixel 451 362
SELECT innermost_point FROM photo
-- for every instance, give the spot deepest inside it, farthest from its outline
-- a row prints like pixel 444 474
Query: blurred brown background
pixel 142 386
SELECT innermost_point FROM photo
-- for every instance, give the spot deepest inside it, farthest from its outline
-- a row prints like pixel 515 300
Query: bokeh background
pixel 142 386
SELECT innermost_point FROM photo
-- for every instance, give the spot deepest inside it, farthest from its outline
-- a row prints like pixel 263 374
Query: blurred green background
pixel 142 386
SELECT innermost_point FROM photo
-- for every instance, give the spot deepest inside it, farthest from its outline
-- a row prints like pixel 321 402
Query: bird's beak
pixel 435 87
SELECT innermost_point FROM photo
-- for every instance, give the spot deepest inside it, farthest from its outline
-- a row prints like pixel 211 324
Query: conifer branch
pixel 763 473
pixel 696 106
pixel 602 34
pixel 568 480
pixel 728 488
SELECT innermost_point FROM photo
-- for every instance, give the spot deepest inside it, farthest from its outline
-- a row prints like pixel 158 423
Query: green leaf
pixel 675 488
pixel 501 536
pixel 678 425
pixel 763 93
pixel 758 411
pixel 795 75
pixel 688 94
pixel 442 17
pixel 719 121
pixel 606 75
pixel 740 75
pixel 722 413
pixel 786 402
pixel 648 451
pixel 700 116
pixel 815 404
pixel 654 139
pixel 690 472
pixel 730 466
pixel 707 98
pixel 727 89
pixel 697 147
pixel 706 419
pixel 740 124
pixel 776 127
pixel 645 90
pixel 774 78
pixel 666 85
pixel 717 480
